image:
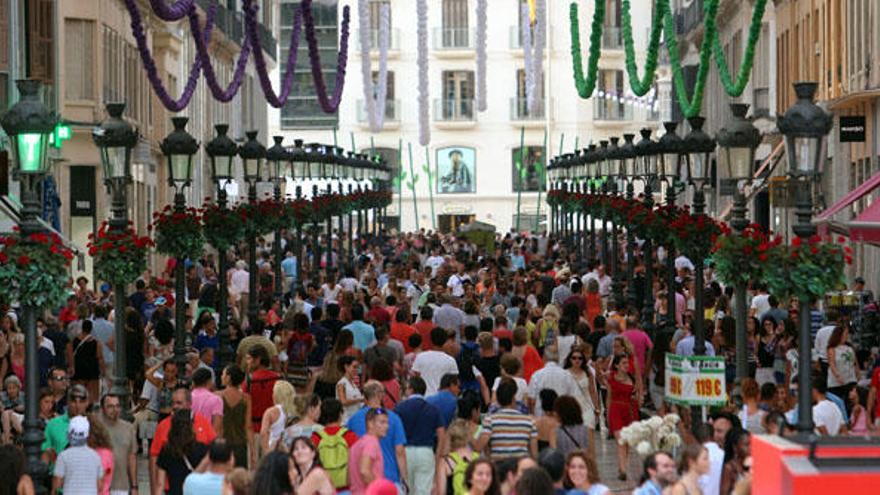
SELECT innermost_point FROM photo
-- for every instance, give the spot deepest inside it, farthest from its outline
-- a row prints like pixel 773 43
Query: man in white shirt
pixel 416 288
pixel 550 376
pixel 820 344
pixel 238 285
pixel 601 277
pixel 456 282
pixel 761 302
pixel 710 483
pixel 826 415
pixel 434 261
pixel 432 365
pixel 683 263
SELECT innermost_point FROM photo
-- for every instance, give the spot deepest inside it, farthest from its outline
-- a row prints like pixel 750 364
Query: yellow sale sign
pixel 695 380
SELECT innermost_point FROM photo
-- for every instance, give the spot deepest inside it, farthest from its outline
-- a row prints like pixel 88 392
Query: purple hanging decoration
pixel 189 88
pixel 220 94
pixel 173 12
pixel 328 105
pixel 252 35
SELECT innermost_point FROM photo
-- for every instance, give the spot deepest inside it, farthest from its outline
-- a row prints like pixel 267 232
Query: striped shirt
pixel 510 433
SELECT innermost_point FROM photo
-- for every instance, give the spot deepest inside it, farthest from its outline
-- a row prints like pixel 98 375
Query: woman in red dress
pixel 623 407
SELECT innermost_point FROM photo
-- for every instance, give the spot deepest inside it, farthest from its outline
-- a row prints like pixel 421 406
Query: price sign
pixel 695 380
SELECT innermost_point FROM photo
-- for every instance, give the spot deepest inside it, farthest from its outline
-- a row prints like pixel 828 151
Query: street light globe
pixel 29 124
pixel 222 151
pixel 252 154
pixel 115 138
pixel 805 127
pixel 738 141
pixel 179 148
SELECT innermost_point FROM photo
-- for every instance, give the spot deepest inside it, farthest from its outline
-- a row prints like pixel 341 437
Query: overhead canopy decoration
pixel 374 95
pixel 202 35
pixel 664 21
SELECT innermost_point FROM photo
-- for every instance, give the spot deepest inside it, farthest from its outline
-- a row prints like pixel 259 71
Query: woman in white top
pixel 587 395
pixel 346 391
pixel 275 418
pixel 510 367
pixel 842 363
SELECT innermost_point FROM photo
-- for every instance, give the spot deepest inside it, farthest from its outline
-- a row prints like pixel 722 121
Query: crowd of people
pixel 424 364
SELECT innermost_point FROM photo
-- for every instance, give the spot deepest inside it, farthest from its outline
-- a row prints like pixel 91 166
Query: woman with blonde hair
pixel 275 418
pixel 547 328
pixel 460 455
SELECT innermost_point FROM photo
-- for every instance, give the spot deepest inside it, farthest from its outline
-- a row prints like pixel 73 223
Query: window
pixel 79 59
pixel 531 176
pixel 520 104
pixel 761 73
pixel 375 16
pixel 302 110
pixel 455 24
pixel 611 33
pixel 390 103
pixel 611 107
pixel 392 158
pixel 458 95
pixel 4 54
pixel 41 42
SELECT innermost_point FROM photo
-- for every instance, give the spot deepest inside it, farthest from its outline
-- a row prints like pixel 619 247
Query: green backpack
pixel 333 453
pixel 457 485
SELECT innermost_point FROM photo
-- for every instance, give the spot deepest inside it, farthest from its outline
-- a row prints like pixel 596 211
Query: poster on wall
pixel 456 170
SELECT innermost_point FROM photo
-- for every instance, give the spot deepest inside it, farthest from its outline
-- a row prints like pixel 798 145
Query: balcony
pixel 231 24
pixel 455 113
pixel 392 113
pixel 454 42
pixel 520 115
pixel 515 39
pixel 691 17
pixel 612 38
pixel 393 42
pixel 611 111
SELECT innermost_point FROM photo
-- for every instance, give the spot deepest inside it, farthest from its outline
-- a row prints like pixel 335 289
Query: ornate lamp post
pixel 671 149
pixel 116 138
pixel 277 158
pixel 592 161
pixel 615 174
pixel 698 147
pixel 738 141
pixel 805 127
pixel 29 124
pixel 252 154
pixel 603 170
pixel 301 170
pixel 627 155
pixel 646 159
pixel 222 151
pixel 179 148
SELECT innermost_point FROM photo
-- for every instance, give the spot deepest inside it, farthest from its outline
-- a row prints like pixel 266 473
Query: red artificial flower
pixel 24 260
pixel 93 250
pixel 796 242
pixel 3 257
pixel 762 257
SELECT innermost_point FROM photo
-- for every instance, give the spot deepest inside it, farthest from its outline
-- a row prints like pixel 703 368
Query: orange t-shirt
pixel 201 425
pixel 401 333
pixel 532 362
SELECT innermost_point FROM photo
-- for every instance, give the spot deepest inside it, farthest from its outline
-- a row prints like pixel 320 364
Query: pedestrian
pixel 278 417
pixel 392 443
pixel 57 432
pixel 508 432
pixel 88 359
pixel 348 394
pixel 737 448
pixel 534 481
pixel 261 383
pixel 623 407
pixel 78 468
pixel 424 428
pixel 333 443
pixel 205 402
pixel 366 456
pixel 273 475
pixel 99 441
pixel 12 464
pixel 308 476
pixel 551 376
pixel 181 455
pixel 480 478
pixel 450 476
pixel 235 427
pixel 659 472
pixel 123 439
pixel 221 460
pixel 693 464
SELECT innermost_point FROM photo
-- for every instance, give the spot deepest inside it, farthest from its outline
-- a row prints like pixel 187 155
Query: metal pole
pixel 648 256
pixel 631 294
pixel 33 433
pixel 617 280
pixel 225 351
pixel 252 309
pixel 342 257
pixel 351 254
pixel 739 223
pixel 592 225
pixel 699 319
pixel 329 263
pixel 670 268
pixel 519 172
pixel 605 255
pixel 279 291
pixel 315 265
pixel 119 222
pixel 804 228
pixel 298 251
pixel 180 299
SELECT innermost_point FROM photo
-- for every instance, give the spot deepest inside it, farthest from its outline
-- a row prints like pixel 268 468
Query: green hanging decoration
pixel 663 20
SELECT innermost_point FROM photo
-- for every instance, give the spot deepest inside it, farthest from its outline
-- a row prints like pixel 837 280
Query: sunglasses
pixel 60 378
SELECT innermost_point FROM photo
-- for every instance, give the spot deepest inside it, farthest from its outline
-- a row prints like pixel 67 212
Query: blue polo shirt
pixel 396 436
pixel 420 421
pixel 364 334
pixel 446 403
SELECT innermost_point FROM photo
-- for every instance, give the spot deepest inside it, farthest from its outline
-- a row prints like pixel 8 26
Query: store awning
pixel 853 196
pixel 866 226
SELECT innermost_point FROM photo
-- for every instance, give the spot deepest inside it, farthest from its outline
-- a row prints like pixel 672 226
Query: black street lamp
pixel 300 170
pixel 179 148
pixel 592 159
pixel 671 149
pixel 252 154
pixel 805 127
pixel 627 155
pixel 29 124
pixel 615 173
pixel 646 159
pixel 222 151
pixel 738 141
pixel 603 170
pixel 116 138
pixel 277 158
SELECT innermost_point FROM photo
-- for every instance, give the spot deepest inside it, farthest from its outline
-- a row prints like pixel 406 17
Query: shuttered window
pixel 79 59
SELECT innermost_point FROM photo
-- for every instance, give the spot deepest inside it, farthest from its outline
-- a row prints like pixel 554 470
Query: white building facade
pixel 487 143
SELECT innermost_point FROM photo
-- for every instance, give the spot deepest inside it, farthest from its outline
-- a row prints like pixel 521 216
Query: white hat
pixel 78 430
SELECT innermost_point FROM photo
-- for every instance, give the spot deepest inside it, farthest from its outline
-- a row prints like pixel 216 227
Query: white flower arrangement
pixel 375 98
pixel 652 434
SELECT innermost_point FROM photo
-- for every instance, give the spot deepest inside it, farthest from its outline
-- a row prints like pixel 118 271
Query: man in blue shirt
pixel 660 472
pixel 288 266
pixel 210 482
pixel 446 399
pixel 393 453
pixel 364 334
pixel 423 425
